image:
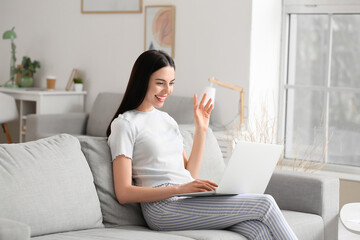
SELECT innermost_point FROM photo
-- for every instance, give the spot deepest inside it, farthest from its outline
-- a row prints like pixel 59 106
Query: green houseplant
pixel 78 80
pixel 26 71
pixel 78 84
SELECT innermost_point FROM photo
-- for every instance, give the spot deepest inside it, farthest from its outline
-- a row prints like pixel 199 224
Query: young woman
pixel 147 148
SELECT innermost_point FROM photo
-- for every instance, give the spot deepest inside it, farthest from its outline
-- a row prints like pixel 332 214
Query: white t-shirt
pixel 154 143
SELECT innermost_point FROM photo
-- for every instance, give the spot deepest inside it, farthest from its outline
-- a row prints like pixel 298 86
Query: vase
pixel 78 87
pixel 26 81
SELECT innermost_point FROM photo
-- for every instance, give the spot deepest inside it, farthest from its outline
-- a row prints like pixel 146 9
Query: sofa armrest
pixel 45 125
pixel 13 230
pixel 309 193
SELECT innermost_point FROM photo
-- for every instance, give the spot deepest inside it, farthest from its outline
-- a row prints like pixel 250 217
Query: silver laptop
pixel 248 171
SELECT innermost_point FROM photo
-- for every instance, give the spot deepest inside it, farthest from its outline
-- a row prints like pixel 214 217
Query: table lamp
pixel 211 92
pixel 10 34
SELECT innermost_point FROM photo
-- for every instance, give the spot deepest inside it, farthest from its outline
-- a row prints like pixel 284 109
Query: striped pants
pixel 255 216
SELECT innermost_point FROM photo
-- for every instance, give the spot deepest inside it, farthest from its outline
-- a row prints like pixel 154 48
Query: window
pixel 322 88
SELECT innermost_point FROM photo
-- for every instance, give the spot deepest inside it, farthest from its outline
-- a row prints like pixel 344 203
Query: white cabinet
pixel 40 101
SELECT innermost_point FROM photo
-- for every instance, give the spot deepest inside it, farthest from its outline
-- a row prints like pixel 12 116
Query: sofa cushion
pixel 47 184
pixel 212 166
pixel 97 153
pixel 102 112
pixel 118 233
pixel 301 223
pixel 13 230
pixel 180 108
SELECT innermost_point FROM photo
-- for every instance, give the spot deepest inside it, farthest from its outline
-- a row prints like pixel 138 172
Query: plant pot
pixel 78 87
pixel 26 81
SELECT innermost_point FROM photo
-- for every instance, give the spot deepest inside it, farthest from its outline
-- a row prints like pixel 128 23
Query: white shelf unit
pixel 225 143
pixel 42 101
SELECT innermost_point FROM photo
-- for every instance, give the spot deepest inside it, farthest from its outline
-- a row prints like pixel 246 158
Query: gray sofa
pixel 61 187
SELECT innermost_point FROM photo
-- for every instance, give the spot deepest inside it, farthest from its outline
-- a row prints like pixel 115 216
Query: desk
pixel 42 101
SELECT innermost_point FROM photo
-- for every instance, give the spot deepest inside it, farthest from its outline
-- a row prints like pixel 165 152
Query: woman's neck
pixel 145 109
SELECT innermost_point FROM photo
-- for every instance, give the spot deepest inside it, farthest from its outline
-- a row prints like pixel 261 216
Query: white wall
pixel 265 59
pixel 212 38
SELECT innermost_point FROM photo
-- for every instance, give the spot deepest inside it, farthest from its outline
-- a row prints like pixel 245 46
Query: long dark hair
pixel 146 64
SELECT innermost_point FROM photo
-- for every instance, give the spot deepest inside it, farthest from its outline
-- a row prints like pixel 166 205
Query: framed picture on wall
pixel 160 28
pixel 111 6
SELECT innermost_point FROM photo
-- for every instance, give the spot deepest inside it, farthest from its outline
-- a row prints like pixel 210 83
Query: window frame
pixel 328 7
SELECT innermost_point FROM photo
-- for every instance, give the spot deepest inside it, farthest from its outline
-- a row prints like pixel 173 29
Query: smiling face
pixel 161 85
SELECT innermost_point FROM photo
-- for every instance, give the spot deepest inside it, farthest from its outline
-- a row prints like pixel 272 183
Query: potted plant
pixel 26 71
pixel 78 84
